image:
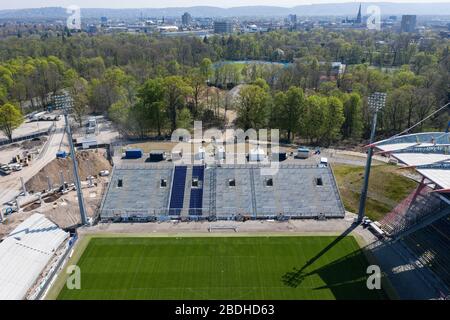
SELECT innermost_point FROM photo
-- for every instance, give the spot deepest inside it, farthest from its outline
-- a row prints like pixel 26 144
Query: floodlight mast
pixel 377 101
pixel 66 105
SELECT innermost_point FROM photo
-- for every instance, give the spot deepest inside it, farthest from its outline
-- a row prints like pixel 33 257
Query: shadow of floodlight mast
pixel 295 278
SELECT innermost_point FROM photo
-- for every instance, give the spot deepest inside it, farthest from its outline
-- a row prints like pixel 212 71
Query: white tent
pixel 257 154
pixel 201 153
pixel 220 153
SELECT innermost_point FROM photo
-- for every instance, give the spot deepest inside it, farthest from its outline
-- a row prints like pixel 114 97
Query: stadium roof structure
pixel 25 252
pixel 428 153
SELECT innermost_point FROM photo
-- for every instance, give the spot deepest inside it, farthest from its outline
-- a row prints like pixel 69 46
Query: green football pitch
pixel 284 267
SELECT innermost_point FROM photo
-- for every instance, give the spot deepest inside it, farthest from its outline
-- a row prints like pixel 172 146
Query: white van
pixel 376 230
pixel 303 153
pixel 323 162
pixel 15 166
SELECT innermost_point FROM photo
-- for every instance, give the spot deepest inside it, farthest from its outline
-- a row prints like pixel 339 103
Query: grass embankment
pixel 387 187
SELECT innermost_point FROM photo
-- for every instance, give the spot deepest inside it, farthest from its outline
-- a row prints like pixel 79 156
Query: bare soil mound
pixel 90 163
pixel 30 144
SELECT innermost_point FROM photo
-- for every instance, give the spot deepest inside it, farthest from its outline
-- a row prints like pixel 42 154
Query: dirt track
pixel 10 185
pixel 335 226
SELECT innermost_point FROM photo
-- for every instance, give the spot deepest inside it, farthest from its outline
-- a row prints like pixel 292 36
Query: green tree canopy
pixel 176 91
pixel 288 109
pixel 10 118
pixel 253 107
pixel 333 120
pixel 184 119
pixel 151 96
pixel 353 124
pixel 79 94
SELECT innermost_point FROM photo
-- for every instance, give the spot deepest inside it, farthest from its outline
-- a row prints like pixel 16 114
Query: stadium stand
pixel 314 193
pixel 24 254
pixel 221 192
pixel 177 193
pixel 431 245
pixel 196 200
pixel 421 203
pixel 233 194
pixel 144 189
pixel 421 222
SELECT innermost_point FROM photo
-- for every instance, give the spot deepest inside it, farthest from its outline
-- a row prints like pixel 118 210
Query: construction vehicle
pixel 5 169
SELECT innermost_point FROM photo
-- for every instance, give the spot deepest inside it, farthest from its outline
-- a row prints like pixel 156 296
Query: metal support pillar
pixel 75 172
pixel 49 182
pixel 24 189
pixel 63 183
pixel 376 102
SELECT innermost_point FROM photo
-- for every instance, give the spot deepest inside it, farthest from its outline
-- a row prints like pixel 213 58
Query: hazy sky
pixel 15 4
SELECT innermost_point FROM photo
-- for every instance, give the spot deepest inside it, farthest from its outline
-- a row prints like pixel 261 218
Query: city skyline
pixel 117 4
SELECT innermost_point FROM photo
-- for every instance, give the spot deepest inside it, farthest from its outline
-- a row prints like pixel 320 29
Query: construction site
pixel 190 187
pixel 52 191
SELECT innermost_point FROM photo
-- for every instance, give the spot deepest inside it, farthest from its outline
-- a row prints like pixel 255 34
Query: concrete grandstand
pixel 421 222
pixel 145 192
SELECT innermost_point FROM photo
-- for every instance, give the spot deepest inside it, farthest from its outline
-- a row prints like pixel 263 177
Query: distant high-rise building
pixel 91 29
pixel 204 22
pixel 359 16
pixel 292 18
pixel 104 21
pixel 223 27
pixel 408 23
pixel 186 19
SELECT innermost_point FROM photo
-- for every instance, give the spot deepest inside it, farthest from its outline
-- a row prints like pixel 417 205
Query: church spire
pixel 359 17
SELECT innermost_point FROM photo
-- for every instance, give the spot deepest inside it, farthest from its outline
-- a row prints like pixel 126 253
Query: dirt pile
pixel 34 143
pixel 90 163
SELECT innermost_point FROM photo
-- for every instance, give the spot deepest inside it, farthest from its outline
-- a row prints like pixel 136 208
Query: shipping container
pixel 157 155
pixel 133 154
pixel 61 154
pixel 279 156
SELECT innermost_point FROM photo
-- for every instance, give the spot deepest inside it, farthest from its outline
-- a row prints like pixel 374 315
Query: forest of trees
pixel 150 85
